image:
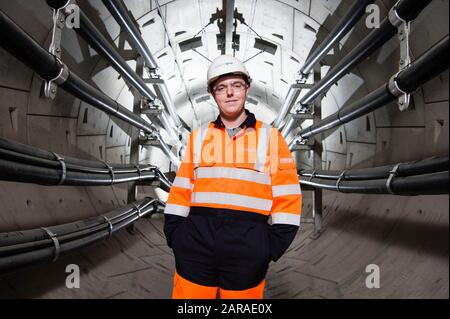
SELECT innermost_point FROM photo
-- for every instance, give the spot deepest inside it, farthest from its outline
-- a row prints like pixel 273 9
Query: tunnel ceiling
pixel 291 26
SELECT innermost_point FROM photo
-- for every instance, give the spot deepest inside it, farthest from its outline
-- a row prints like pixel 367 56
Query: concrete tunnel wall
pixel 407 237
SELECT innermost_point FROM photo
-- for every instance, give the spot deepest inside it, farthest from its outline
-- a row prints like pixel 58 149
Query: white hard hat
pixel 226 64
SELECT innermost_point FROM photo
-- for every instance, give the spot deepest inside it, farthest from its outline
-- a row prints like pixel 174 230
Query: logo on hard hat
pixel 225 63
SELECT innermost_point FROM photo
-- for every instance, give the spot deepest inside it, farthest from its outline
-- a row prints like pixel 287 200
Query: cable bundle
pixel 426 177
pixel 27 164
pixel 47 244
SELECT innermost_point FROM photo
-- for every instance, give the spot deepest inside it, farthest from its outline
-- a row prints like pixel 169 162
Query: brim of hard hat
pixel 216 78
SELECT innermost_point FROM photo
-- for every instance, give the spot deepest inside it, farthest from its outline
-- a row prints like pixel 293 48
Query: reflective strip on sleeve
pixel 179 210
pixel 198 142
pixel 286 218
pixel 182 182
pixel 233 173
pixel 290 189
pixel 263 145
pixel 231 199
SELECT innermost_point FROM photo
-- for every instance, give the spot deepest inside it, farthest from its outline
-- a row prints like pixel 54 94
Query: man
pixel 236 173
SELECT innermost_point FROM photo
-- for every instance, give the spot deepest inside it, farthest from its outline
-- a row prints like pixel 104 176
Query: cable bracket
pixel 341 177
pixel 393 172
pixel 138 170
pixel 111 172
pixel 404 31
pixel 138 210
pixel 55 240
pixel 63 168
pixel 110 225
pixel 312 175
pixel 50 86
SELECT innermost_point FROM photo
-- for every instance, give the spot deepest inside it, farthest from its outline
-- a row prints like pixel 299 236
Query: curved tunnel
pixel 406 237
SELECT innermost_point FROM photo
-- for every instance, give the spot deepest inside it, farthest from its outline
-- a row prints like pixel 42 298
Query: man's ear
pixel 248 90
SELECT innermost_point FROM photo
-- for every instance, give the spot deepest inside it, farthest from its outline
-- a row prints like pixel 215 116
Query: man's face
pixel 230 93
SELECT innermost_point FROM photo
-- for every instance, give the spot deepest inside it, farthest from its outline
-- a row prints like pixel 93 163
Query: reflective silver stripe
pixel 182 182
pixel 198 142
pixel 179 210
pixel 290 189
pixel 233 173
pixel 286 218
pixel 263 145
pixel 231 199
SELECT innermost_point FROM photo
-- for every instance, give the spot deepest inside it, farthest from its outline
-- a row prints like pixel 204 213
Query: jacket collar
pixel 250 121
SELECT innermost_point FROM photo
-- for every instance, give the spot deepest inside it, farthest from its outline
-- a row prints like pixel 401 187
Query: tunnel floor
pixel 408 243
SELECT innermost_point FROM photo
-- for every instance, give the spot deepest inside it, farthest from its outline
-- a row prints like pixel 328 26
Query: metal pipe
pixel 367 104
pixel 365 48
pixel 291 97
pixel 288 126
pixel 84 91
pixel 429 65
pixel 18 43
pixel 228 8
pixel 120 14
pixel 166 150
pixel 93 36
pixel 89 32
pixel 99 43
pixel 339 31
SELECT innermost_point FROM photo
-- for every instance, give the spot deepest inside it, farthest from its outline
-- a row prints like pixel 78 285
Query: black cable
pixel 27 253
pixel 426 184
pixel 24 163
pixel 431 165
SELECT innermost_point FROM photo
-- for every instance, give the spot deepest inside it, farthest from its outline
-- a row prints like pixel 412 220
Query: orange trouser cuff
pixel 185 289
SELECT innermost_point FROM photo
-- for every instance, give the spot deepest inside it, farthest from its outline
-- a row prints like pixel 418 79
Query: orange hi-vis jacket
pixel 257 177
pixel 250 176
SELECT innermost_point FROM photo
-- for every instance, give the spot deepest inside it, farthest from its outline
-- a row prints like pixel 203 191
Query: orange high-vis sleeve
pixel 286 192
pixel 179 200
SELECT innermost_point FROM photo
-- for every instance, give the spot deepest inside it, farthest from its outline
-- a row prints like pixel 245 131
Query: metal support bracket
pixel 404 98
pixel 301 77
pixel 404 30
pixel 153 73
pixel 300 143
pixel 50 87
pixel 151 107
pixel 152 139
pixel 153 76
pixel 303 111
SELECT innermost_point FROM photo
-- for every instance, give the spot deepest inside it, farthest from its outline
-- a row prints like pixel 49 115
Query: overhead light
pixel 191 44
pixel 265 46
